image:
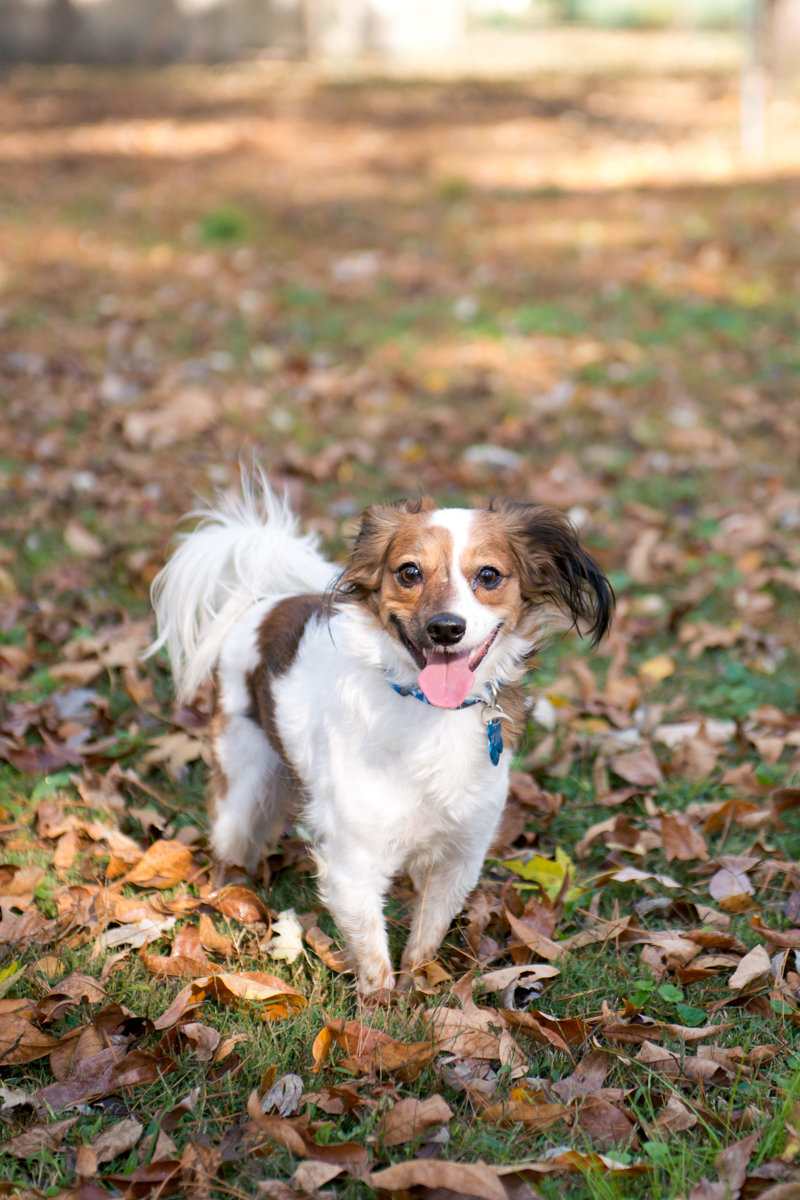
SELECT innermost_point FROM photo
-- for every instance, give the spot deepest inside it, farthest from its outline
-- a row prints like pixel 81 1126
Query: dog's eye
pixel 489 577
pixel 409 574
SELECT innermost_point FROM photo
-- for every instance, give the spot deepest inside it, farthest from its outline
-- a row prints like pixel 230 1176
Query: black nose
pixel 446 629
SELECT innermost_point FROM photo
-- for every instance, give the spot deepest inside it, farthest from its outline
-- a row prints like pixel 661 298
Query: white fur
pixel 480 618
pixel 246 549
pixel 389 784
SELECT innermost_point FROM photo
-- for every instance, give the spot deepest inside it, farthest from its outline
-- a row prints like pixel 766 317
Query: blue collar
pixel 494 728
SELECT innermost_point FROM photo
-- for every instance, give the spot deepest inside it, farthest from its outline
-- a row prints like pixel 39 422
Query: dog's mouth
pixel 446 676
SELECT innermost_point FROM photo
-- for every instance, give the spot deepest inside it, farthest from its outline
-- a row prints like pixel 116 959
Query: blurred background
pixel 542 248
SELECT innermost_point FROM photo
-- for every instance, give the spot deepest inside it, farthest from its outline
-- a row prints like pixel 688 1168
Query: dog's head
pixel 449 585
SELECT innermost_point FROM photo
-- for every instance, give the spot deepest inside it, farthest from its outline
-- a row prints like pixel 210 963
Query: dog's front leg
pixel 353 888
pixel 441 891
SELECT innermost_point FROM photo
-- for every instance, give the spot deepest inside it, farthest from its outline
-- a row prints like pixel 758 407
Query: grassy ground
pixel 361 284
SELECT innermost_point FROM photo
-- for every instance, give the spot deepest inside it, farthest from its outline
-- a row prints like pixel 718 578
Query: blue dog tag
pixel 494 732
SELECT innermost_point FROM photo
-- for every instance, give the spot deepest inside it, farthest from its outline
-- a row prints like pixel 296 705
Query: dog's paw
pixel 376 980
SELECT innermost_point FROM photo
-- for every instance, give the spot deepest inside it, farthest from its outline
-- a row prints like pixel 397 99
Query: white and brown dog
pixel 379 702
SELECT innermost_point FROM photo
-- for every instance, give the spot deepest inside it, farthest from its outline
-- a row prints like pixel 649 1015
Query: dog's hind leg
pixel 248 792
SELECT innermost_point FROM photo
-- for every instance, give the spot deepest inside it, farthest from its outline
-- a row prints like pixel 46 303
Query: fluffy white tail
pixel 244 550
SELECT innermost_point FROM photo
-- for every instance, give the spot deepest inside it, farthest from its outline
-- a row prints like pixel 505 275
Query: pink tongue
pixel 447 679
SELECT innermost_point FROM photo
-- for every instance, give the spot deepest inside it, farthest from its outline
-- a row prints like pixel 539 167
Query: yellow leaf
pixel 656 669
pixel 550 873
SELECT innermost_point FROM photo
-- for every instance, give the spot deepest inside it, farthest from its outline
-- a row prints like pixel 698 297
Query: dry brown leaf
pixel 312 1175
pixel 320 1050
pixel 587 1078
pixel 38 1138
pixel 534 1116
pixel 467 1179
pixel 496 981
pixel 106 1145
pixel 65 851
pixel 535 942
pixel 81 540
pixel 676 1065
pixel 694 759
pixel 753 966
pixel 786 939
pixel 675 1117
pixel 404 1060
pixel 21 1042
pixel 410 1118
pixel 264 996
pixel 175 750
pixel 639 767
pixel 680 840
pixel 163 865
pixel 604 1123
pixel 295 1138
pixel 335 960
pixel 199 1168
pixel 731 889
pixel 239 904
pixel 211 939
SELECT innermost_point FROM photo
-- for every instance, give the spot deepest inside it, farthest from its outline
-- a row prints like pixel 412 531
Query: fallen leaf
pixel 787 939
pixel 286 942
pixel 587 1078
pixel 81 540
pixel 320 1050
pixel 604 1123
pixel 680 840
pixel 295 1138
pixel 192 410
pixel 410 1118
pixel 239 904
pixel 694 759
pixel 163 865
pixel 675 1117
pixel 534 1116
pixel 312 1175
pixel 284 1096
pixel 118 1139
pixel 261 995
pixel 657 669
pixel 638 766
pixel 321 944
pixel 731 889
pixel 199 1168
pixel 212 940
pixel 753 966
pixel 496 981
pixel 38 1138
pixel 136 935
pixel 468 1179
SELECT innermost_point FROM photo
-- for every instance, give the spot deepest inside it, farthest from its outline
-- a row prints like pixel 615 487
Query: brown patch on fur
pixel 279 637
pixel 551 565
pixel 511 699
pixel 380 524
pixel 218 781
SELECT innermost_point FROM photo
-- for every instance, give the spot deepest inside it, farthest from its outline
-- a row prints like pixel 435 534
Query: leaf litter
pixel 623 984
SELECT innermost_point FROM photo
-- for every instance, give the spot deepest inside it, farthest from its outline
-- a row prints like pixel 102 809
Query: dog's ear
pixel 554 567
pixel 378 525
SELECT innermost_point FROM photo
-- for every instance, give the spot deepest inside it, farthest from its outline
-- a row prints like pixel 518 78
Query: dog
pixel 380 702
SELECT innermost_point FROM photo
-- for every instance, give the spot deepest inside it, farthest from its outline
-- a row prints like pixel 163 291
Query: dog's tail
pixel 245 549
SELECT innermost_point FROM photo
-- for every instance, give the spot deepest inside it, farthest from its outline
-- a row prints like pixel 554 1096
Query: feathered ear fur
pixel 554 567
pixel 361 577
